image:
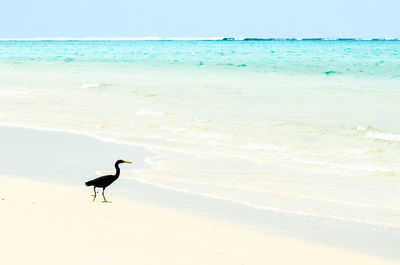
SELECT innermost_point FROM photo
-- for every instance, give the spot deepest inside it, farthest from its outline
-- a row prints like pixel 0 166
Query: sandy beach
pixel 55 224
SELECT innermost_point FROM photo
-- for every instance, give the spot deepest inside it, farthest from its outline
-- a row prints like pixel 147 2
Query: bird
pixel 105 181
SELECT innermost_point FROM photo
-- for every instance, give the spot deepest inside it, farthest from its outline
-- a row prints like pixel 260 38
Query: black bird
pixel 105 181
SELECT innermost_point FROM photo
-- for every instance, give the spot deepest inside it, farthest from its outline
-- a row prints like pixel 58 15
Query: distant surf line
pixel 192 39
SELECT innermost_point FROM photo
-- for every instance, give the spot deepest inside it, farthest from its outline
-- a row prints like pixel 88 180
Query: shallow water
pixel 72 159
pixel 302 127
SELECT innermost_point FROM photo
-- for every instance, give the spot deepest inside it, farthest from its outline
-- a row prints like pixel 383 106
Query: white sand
pixel 52 224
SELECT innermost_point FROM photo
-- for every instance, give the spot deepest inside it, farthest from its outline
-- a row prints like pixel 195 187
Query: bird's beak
pixel 128 162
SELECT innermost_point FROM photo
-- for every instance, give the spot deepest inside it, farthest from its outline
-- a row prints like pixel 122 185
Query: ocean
pixel 302 127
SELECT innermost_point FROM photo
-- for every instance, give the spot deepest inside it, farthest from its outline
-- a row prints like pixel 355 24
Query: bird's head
pixel 122 161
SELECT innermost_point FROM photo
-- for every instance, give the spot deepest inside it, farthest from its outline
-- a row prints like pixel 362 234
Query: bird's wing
pixel 99 181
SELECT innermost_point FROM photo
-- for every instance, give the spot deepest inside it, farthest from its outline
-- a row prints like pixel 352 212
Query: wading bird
pixel 105 181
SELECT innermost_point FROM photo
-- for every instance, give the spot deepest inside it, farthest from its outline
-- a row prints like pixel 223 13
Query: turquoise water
pixel 355 58
pixel 302 127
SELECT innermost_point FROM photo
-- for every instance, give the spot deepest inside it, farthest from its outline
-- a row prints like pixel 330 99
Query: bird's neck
pixel 117 170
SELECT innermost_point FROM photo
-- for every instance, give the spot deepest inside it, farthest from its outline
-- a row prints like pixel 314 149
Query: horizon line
pixel 186 38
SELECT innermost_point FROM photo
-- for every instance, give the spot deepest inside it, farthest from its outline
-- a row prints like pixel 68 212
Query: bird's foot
pixel 107 201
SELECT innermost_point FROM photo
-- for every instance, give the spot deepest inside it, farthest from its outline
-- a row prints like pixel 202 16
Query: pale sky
pixel 205 18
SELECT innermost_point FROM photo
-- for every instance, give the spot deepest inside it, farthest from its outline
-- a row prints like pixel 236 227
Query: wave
pixel 15 93
pixel 95 85
pixel 376 134
pixel 144 112
pixel 373 133
pixel 383 136
pixel 90 85
pixel 263 207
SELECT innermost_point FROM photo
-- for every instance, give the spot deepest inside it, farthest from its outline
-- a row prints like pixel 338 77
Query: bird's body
pixel 102 182
pixel 105 181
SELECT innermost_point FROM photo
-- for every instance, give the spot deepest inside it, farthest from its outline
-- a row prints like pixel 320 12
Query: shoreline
pixel 313 230
pixel 67 221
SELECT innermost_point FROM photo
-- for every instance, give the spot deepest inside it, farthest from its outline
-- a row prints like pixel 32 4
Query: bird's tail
pixel 89 183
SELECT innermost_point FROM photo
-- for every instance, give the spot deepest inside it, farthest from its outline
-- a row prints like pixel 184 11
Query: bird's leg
pixel 105 200
pixel 94 193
